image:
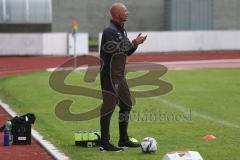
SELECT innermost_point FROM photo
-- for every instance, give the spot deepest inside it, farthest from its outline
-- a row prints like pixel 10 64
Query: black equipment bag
pixel 21 134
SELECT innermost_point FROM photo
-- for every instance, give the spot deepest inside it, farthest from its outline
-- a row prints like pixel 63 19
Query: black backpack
pixel 28 118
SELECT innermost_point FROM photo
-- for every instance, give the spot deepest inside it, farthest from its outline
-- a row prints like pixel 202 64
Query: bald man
pixel 115 47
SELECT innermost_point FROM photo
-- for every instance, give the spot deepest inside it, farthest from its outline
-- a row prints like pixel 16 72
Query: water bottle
pixel 8 125
pixel 85 136
pixel 6 137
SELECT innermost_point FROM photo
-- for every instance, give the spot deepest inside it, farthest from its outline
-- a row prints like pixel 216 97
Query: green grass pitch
pixel 213 96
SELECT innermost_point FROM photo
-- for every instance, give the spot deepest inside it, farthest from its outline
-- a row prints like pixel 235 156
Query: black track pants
pixel 114 92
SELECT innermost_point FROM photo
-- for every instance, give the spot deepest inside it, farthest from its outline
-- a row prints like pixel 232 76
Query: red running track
pixel 18 64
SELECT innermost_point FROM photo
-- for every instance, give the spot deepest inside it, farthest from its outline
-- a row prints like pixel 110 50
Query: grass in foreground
pixel 208 93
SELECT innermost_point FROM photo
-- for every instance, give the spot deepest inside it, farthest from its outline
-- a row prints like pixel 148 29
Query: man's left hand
pixel 139 40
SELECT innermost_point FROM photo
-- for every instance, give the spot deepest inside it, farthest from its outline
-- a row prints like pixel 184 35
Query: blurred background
pixel 92 15
pixel 172 25
pixel 28 16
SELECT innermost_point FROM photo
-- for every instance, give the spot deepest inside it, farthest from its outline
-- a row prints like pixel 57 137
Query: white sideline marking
pixel 67 69
pixel 207 117
pixel 51 149
pixel 162 63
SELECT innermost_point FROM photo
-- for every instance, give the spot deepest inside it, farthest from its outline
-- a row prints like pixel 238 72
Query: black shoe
pixel 128 143
pixel 110 148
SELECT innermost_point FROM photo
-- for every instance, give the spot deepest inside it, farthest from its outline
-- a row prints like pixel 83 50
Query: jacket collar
pixel 118 26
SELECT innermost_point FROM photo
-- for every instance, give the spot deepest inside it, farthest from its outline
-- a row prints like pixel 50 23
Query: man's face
pixel 123 15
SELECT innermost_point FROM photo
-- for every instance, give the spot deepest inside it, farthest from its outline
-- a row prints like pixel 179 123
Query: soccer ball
pixel 149 145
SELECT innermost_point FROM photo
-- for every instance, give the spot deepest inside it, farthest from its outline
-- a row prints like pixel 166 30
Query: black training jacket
pixel 115 47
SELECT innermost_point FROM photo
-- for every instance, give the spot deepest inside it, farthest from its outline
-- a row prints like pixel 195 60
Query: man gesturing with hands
pixel 115 47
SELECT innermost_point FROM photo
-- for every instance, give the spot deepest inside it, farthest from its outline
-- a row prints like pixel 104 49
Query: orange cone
pixel 209 137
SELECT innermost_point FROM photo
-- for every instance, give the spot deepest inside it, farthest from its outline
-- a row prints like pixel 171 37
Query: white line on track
pixel 51 149
pixel 194 63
